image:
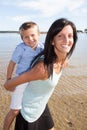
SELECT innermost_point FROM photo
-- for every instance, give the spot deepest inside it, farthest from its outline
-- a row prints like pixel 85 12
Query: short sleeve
pixel 17 54
pixel 40 58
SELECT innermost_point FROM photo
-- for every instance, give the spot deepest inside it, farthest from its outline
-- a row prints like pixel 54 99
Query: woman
pixel 43 77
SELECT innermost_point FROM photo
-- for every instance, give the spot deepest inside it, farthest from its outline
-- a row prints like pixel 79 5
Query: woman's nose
pixel 66 39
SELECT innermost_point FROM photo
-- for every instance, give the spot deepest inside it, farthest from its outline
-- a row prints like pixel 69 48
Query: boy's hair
pixel 28 25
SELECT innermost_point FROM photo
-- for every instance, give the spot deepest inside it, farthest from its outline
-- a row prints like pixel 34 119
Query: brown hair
pixel 28 25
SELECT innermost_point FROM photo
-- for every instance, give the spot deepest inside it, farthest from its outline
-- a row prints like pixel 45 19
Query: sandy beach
pixel 68 103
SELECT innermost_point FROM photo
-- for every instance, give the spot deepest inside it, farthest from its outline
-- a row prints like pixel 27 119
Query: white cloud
pixel 46 7
pixel 41 11
pixel 84 10
pixel 75 4
pixel 50 8
pixel 20 18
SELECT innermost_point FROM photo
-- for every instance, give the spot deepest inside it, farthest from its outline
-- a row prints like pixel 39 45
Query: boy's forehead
pixel 29 31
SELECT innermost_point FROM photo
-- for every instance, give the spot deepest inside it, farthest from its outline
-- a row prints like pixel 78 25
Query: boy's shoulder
pixel 41 45
pixel 21 45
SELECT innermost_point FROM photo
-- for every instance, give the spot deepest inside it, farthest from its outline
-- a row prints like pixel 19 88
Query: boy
pixel 22 56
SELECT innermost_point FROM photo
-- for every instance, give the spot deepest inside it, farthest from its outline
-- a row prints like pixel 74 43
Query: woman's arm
pixel 38 72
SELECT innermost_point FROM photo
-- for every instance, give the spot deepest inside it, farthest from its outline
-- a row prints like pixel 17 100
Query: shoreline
pixel 42 32
pixel 68 103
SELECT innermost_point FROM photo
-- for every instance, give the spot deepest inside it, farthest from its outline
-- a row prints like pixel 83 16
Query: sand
pixel 68 103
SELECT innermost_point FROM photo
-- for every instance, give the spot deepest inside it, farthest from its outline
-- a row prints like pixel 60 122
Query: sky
pixel 43 12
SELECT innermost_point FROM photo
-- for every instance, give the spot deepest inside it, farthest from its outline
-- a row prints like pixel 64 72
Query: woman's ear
pixel 52 43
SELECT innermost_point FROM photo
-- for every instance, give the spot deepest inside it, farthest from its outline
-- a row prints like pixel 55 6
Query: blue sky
pixel 43 12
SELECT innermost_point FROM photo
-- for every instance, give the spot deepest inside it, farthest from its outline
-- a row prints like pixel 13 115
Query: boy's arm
pixel 10 69
pixel 38 72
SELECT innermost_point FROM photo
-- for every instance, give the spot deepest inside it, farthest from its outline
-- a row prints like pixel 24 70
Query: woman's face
pixel 63 41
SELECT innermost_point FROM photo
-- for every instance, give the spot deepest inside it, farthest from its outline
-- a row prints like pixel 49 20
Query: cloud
pixel 20 18
pixel 46 8
pixel 73 5
pixel 50 8
pixel 42 11
pixel 84 10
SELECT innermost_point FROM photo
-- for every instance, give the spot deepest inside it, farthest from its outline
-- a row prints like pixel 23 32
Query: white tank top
pixel 36 96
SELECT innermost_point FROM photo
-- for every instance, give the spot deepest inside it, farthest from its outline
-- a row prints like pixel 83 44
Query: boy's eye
pixel 26 37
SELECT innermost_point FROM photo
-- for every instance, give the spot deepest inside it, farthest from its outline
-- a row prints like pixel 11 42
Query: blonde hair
pixel 27 25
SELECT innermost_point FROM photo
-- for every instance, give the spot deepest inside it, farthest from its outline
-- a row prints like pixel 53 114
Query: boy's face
pixel 31 37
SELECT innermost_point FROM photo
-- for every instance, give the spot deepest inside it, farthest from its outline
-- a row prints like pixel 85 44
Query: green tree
pixel 85 30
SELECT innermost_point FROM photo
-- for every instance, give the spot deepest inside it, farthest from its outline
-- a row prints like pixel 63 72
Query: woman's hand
pixel 5 86
pixel 38 72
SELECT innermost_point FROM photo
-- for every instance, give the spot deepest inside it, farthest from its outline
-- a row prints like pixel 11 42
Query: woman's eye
pixel 70 36
pixel 59 35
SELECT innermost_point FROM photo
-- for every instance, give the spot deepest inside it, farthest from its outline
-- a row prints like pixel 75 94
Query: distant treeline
pixel 79 31
pixel 17 32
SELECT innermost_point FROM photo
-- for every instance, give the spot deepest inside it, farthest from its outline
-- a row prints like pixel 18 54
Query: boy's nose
pixel 30 38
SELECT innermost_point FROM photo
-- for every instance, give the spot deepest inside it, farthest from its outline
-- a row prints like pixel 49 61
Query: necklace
pixel 58 67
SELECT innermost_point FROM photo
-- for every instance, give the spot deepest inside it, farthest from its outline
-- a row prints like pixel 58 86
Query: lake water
pixel 8 42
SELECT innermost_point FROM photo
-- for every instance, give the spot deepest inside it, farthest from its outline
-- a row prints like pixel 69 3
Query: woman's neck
pixel 62 61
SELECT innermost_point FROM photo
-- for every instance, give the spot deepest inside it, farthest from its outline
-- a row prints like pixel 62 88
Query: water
pixel 79 56
pixel 8 42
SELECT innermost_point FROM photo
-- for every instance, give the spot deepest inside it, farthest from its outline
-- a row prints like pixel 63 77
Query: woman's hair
pixel 48 52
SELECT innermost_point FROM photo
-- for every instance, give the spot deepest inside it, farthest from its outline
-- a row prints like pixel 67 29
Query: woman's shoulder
pixel 41 70
pixel 36 60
